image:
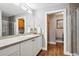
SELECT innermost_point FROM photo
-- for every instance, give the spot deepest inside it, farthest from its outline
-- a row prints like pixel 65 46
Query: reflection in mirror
pixel 21 25
pixel 8 25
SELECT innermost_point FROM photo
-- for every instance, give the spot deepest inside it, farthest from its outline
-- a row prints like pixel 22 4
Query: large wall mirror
pixel 21 23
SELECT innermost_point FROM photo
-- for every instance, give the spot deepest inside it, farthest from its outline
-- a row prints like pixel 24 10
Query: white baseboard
pixel 75 54
pixel 44 48
pixel 68 53
pixel 52 42
pixel 59 41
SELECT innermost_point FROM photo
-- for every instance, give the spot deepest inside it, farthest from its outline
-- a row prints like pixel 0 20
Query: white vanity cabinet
pixel 31 47
pixel 24 47
pixel 10 50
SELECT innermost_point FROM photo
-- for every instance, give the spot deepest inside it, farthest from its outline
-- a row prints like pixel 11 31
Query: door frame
pixel 64 27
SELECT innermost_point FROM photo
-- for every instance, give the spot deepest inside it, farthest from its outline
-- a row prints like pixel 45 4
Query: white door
pixel 35 49
pixel 37 45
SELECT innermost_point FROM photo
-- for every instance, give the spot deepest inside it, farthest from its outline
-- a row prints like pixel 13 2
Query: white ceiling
pixel 37 6
pixel 10 9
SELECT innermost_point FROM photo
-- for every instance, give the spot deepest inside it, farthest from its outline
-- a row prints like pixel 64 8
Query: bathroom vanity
pixel 21 45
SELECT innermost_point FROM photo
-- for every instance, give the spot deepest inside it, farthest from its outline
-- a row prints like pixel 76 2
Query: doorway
pixel 54 31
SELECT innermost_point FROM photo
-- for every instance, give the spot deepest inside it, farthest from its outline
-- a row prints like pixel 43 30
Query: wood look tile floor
pixel 53 50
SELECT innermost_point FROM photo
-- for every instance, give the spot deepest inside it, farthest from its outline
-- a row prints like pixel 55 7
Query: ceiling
pixel 10 9
pixel 37 6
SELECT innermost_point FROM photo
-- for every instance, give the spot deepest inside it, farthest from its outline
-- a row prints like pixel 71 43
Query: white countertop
pixel 8 41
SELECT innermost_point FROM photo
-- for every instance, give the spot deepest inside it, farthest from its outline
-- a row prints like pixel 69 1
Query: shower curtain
pixel 74 12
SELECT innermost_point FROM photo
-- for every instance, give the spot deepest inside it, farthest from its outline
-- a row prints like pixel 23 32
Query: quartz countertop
pixel 8 40
pixel 10 36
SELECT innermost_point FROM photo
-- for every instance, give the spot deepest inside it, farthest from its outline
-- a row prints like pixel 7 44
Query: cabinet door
pixel 27 48
pixel 35 49
pixel 7 51
pixel 15 53
pixel 37 45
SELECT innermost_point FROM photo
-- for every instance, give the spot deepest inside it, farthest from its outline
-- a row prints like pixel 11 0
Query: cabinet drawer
pixel 9 50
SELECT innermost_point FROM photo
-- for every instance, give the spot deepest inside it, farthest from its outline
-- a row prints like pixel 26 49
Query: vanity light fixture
pixel 25 7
